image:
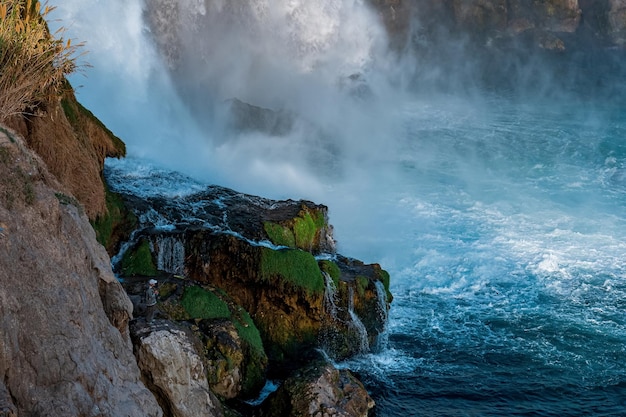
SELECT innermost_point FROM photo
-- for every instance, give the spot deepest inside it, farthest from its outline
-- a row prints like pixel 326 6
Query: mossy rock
pixel 76 114
pixel 203 304
pixel 362 283
pixel 383 276
pixel 116 224
pixel 303 231
pixel 294 267
pixel 138 261
pixel 332 269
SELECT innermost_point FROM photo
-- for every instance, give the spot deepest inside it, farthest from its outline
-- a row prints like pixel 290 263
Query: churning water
pixel 502 221
pixel 508 265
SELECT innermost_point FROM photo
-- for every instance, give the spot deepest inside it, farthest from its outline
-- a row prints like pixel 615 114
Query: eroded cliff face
pixel 73 144
pixel 64 344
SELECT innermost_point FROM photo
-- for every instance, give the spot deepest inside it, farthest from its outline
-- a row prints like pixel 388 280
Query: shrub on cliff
pixel 33 63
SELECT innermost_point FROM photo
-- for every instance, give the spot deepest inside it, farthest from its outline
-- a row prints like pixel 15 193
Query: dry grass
pixel 33 62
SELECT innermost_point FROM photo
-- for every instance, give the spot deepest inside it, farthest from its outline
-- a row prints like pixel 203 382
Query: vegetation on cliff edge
pixel 33 62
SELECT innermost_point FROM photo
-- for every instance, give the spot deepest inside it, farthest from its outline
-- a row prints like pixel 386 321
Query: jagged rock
pixel 319 390
pixel 59 353
pixel 7 408
pixel 228 341
pixel 261 252
pixel 174 370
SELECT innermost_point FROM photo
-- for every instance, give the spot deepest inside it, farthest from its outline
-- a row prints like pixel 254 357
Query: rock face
pixel 60 353
pixel 617 21
pixel 173 368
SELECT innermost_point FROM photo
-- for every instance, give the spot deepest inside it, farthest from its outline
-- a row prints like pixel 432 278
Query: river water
pixel 501 219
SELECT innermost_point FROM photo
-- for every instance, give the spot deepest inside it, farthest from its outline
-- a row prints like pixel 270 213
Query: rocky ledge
pixel 251 291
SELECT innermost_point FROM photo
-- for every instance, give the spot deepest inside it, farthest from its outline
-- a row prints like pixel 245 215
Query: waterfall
pixel 357 324
pixel 383 337
pixel 171 255
pixel 330 295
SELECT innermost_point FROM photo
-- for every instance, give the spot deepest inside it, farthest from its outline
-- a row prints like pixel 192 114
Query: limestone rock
pixel 173 368
pixel 59 353
pixel 320 390
pixel 225 336
pixel 262 253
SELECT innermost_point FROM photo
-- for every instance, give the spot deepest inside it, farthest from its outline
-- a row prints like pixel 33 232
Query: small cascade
pixel 171 255
pixel 383 337
pixel 357 324
pixel 116 259
pixel 330 296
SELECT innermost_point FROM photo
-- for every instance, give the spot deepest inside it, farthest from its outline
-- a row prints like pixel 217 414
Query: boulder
pixel 222 333
pixel 174 370
pixel 319 390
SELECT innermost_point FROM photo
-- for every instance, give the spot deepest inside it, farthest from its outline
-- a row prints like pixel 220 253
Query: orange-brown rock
pixel 73 143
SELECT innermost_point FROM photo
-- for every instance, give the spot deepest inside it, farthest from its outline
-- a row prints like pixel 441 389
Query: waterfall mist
pixel 163 74
pixel 305 100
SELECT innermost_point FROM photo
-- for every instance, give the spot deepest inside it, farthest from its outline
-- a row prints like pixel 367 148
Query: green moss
pixel 279 235
pixel 116 214
pixel 139 261
pixel 255 371
pixel 305 229
pixel 332 269
pixel 296 267
pixel 361 284
pixel 248 330
pixel 300 232
pixel 385 279
pixel 203 304
pixel 70 111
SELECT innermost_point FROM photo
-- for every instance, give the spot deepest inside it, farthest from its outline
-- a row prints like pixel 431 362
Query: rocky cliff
pixel 523 46
pixel 64 346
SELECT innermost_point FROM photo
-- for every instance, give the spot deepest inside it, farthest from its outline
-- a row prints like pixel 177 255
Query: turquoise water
pixel 503 227
pixel 508 270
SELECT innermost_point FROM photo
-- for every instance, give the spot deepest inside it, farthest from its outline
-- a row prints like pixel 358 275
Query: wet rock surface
pixel 319 390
